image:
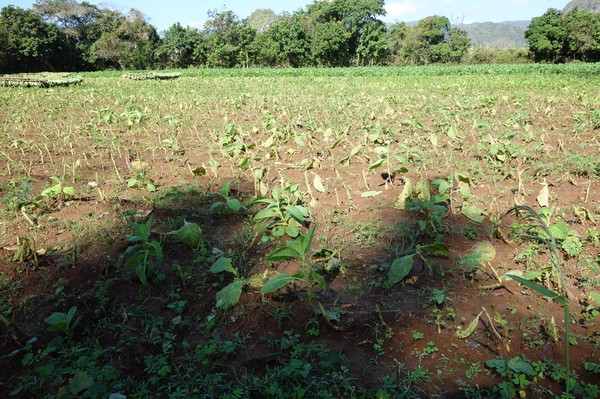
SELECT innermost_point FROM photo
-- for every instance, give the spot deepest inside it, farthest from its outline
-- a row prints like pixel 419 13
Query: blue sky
pixel 163 14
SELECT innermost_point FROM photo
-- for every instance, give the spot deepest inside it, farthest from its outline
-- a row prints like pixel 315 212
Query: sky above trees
pixel 194 13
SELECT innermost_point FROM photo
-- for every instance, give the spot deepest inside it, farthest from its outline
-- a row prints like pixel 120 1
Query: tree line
pixel 67 35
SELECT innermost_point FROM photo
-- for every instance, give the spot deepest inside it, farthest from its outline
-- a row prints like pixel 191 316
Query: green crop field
pixel 306 233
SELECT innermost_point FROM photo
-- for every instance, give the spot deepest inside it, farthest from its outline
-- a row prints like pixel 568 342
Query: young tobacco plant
pixel 299 248
pixel 143 254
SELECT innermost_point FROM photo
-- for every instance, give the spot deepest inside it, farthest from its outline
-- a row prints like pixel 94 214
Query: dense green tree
pixel 582 40
pixel 372 45
pixel 546 37
pixel 75 20
pixel 287 43
pixel 179 47
pixel 356 17
pixel 330 44
pixel 228 40
pixel 131 45
pixel 29 44
pixel 431 40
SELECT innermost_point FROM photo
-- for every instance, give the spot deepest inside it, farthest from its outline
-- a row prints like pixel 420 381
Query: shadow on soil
pixel 168 335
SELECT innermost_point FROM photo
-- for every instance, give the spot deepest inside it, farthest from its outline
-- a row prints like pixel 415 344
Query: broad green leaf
pixel 190 234
pixel 234 204
pixel 559 230
pixel 230 295
pixel 474 213
pixel 52 191
pixel 400 269
pixel 539 288
pixel 442 186
pixel 225 189
pixel 298 212
pixel 223 264
pixel 266 214
pixel 369 194
pixel 80 382
pixel 282 254
pixel 57 322
pixel 519 365
pixel 467 332
pixel 277 282
pixel 436 249
pixel 150 187
pixel 70 191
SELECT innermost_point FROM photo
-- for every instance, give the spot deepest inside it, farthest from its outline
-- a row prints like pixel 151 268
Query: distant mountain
pixel 589 5
pixel 509 34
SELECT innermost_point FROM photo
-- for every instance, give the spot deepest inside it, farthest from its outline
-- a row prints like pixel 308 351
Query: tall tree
pixel 262 19
pixel 228 39
pixel 130 45
pixel 179 47
pixel 355 16
pixel 75 21
pixel 546 37
pixel 30 43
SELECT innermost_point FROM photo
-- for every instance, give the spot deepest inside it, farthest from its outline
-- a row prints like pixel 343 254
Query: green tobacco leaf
pixel 436 249
pixel 474 213
pixel 442 186
pixel 400 269
pixel 52 191
pixel 223 264
pixel 282 254
pixel 278 282
pixel 190 234
pixel 539 288
pixel 229 296
pixel 266 214
pixel 57 322
pixel 70 191
pixel 559 230
pixel 518 365
pixel 298 212
pixel 225 189
pixel 234 204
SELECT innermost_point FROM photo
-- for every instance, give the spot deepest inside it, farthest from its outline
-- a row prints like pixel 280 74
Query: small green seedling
pixel 143 253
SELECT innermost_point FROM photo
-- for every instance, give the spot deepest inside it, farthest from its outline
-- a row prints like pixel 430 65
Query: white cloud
pixel 402 9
